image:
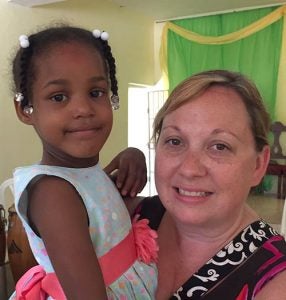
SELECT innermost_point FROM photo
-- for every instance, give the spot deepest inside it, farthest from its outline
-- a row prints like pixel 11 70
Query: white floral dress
pixel 109 225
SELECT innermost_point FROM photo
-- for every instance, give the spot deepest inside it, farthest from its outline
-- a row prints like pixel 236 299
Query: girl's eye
pixel 96 93
pixel 59 98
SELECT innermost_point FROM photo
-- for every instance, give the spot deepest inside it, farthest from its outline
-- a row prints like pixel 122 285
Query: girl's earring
pixel 114 102
pixel 28 110
pixel 19 97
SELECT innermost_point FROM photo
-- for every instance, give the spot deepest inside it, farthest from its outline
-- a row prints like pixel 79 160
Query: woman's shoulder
pixel 151 208
pixel 271 276
pixel 274 289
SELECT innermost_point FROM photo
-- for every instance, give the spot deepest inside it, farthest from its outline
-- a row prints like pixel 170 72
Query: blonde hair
pixel 197 84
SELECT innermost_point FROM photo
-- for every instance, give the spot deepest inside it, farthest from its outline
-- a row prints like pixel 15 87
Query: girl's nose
pixel 193 164
pixel 81 107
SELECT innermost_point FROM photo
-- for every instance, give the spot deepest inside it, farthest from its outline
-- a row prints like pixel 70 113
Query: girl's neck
pixel 68 161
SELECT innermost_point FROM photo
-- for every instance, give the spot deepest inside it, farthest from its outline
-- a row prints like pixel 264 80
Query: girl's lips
pixel 83 128
pixel 84 132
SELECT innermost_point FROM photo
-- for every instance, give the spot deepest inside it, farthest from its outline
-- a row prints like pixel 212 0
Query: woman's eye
pixel 173 142
pixel 59 98
pixel 96 93
pixel 220 147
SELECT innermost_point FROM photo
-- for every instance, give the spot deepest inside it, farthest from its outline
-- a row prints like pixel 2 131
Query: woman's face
pixel 206 160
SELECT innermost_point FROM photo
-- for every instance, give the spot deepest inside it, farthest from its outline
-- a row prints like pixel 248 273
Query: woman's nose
pixel 193 164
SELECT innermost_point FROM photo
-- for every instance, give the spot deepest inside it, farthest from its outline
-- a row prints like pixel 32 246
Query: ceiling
pixel 31 3
pixel 161 10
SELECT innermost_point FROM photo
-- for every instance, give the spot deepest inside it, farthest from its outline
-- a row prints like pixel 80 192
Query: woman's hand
pixel 128 171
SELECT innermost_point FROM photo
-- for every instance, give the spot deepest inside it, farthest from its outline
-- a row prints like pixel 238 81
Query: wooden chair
pixel 20 254
pixel 277 164
pixel 283 221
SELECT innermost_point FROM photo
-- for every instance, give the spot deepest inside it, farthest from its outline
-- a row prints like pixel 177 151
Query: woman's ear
pixel 24 114
pixel 262 161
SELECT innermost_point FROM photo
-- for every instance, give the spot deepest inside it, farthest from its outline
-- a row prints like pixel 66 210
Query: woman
pixel 211 149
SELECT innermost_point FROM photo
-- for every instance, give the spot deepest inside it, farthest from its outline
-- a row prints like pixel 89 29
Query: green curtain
pixel 256 56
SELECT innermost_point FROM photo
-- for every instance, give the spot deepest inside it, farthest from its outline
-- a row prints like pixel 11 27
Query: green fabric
pixel 256 56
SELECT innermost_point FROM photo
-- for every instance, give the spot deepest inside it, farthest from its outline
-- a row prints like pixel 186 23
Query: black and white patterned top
pixel 239 270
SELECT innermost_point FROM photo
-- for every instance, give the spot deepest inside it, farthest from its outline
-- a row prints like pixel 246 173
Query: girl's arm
pixel 128 171
pixel 60 217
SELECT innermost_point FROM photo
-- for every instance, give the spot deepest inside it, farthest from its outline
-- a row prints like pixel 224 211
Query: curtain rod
pixel 221 12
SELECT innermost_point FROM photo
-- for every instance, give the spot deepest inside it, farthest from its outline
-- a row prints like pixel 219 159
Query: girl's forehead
pixel 67 62
pixel 67 46
pixel 69 52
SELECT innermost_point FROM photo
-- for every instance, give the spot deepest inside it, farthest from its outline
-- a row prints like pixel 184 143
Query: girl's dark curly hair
pixel 24 72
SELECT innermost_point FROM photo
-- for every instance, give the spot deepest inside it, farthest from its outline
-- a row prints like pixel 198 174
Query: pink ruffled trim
pixel 36 284
pixel 145 240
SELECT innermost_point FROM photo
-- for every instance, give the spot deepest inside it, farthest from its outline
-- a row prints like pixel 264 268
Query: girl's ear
pixel 23 115
pixel 262 161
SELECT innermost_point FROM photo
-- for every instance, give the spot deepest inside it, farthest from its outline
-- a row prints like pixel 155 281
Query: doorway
pixel 143 104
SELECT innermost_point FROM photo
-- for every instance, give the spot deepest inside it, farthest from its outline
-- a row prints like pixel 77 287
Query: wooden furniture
pixel 2 235
pixel 20 254
pixel 283 221
pixel 277 164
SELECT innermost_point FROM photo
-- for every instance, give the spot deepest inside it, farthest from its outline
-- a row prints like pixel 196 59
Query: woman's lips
pixel 193 193
pixel 192 196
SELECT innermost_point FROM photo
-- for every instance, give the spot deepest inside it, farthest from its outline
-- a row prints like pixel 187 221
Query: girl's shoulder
pixel 46 169
pixel 24 175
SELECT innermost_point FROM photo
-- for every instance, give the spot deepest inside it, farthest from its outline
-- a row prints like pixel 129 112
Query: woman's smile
pixel 192 195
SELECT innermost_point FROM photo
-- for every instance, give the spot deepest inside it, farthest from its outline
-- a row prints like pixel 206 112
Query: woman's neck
pixel 183 250
pixel 213 236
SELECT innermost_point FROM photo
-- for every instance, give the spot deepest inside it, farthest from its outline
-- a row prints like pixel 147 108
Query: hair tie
pixel 98 34
pixel 104 36
pixel 24 41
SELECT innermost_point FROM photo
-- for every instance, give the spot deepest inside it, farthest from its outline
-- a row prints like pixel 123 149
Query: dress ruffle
pixel 145 241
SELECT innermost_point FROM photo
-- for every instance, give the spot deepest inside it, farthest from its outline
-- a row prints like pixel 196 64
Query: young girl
pixel 78 227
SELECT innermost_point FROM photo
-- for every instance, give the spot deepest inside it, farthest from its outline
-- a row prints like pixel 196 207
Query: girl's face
pixel 72 112
pixel 206 160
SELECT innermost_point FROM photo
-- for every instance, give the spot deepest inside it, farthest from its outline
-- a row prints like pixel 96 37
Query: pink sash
pixel 37 284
